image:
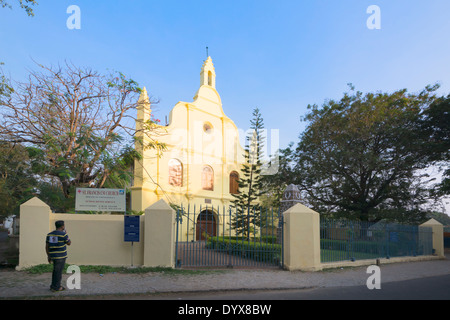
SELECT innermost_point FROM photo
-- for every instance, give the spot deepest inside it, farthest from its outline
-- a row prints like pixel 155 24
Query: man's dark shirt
pixel 57 241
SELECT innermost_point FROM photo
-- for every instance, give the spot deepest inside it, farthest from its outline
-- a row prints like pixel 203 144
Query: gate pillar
pixel 301 239
pixel 159 236
pixel 438 236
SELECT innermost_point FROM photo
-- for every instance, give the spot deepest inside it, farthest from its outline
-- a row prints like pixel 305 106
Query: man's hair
pixel 59 224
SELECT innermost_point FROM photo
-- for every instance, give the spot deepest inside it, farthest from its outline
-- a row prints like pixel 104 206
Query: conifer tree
pixel 246 206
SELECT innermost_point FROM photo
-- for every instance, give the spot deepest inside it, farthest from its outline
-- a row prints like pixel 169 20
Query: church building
pixel 202 162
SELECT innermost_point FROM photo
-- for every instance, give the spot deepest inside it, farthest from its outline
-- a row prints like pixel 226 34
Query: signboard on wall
pixel 132 227
pixel 90 199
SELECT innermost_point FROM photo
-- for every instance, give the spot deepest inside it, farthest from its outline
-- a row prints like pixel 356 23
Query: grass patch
pixel 48 268
pixel 340 255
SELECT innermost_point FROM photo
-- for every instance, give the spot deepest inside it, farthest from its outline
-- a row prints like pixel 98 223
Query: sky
pixel 279 56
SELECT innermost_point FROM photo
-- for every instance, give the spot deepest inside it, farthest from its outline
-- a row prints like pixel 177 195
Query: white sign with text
pixel 89 199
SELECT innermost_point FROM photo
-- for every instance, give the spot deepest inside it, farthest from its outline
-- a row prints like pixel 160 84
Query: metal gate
pixel 209 236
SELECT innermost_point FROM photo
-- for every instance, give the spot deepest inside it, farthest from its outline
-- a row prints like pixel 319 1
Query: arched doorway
pixel 206 225
pixel 234 182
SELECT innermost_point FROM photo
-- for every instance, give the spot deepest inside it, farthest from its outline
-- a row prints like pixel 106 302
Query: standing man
pixel 55 246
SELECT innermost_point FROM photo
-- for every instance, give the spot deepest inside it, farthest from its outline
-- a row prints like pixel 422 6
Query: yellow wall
pixel 99 239
pixel 96 239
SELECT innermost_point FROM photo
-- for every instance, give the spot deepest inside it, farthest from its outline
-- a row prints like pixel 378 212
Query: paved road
pixel 430 288
pixel 277 304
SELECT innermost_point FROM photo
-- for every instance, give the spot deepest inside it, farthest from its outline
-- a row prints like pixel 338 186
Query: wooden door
pixel 206 225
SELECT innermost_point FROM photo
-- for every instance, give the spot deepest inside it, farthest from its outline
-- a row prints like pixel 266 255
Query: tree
pixel 247 210
pixel 5 89
pixel 436 125
pixel 275 185
pixel 17 182
pixel 24 4
pixel 363 155
pixel 75 121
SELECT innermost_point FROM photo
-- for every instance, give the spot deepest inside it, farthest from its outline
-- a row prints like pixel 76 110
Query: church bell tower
pixel 208 74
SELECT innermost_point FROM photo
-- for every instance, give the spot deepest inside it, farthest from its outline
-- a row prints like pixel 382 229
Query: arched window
pixel 234 185
pixel 207 178
pixel 209 78
pixel 175 173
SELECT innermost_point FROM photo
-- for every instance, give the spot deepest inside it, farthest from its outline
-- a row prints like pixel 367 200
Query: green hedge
pixel 258 250
pixel 262 239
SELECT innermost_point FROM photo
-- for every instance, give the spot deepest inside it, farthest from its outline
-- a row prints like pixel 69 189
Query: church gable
pixel 204 155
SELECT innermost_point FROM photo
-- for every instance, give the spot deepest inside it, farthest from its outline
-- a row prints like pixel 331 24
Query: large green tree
pixel 17 182
pixel 275 184
pixel 363 156
pixel 246 215
pixel 436 124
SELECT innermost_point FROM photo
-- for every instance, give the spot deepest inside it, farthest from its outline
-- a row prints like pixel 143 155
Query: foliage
pixel 246 213
pixel 363 155
pixel 24 4
pixel 440 217
pixel 436 123
pixel 16 179
pixel 275 185
pixel 51 193
pixel 74 122
pixel 5 88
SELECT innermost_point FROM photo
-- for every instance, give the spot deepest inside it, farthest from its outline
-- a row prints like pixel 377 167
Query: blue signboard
pixel 132 228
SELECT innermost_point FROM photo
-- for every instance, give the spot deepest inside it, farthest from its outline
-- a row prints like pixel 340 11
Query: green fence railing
pixel 343 240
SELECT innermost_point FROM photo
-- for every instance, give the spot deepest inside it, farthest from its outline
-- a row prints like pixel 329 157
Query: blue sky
pixel 279 56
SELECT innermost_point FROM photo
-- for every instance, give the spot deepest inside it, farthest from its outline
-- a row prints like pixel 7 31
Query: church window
pixel 207 128
pixel 208 178
pixel 234 185
pixel 209 78
pixel 175 173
